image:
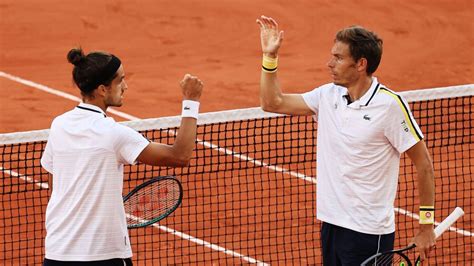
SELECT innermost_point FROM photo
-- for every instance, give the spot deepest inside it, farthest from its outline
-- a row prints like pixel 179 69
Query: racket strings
pixel 152 201
pixel 391 259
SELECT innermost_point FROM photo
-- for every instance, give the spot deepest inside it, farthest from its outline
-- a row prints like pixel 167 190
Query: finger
pixel 422 255
pixel 266 22
pixel 280 37
pixel 273 22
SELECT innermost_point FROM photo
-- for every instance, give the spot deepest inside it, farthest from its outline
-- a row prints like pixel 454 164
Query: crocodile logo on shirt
pixel 367 117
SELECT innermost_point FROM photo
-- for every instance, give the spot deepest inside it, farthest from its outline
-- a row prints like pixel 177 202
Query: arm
pixel 181 151
pixel 425 238
pixel 271 97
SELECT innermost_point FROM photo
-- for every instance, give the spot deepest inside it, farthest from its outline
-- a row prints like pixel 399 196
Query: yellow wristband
pixel 269 64
pixel 426 216
pixel 422 208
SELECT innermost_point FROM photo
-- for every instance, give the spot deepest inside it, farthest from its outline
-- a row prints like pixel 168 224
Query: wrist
pixel 271 55
pixel 190 109
pixel 426 227
pixel 269 64
pixel 427 215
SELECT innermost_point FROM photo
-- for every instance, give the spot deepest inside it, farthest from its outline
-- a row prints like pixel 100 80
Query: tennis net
pixel 250 188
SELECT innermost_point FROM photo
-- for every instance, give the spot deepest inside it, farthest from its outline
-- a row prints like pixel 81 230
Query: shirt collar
pixel 91 108
pixel 367 97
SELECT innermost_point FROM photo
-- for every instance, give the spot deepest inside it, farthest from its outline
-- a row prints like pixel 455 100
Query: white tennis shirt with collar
pixel 358 155
pixel 85 217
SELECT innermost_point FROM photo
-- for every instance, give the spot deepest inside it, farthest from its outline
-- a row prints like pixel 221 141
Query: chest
pixel 353 123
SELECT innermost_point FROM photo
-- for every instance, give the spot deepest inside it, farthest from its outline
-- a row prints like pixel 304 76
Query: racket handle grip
pixel 446 223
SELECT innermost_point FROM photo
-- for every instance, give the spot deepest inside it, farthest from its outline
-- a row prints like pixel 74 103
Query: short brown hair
pixel 362 44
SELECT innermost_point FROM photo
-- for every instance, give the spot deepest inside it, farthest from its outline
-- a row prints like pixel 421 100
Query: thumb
pixel 280 37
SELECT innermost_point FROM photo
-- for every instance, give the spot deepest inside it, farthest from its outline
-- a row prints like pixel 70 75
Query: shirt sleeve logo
pixel 405 126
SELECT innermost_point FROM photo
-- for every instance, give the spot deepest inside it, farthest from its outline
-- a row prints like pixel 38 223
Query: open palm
pixel 270 37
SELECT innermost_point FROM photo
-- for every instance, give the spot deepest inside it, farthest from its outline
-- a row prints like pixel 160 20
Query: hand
pixel 270 37
pixel 424 240
pixel 191 87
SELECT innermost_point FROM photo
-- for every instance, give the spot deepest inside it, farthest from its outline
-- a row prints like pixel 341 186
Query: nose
pixel 330 63
pixel 125 85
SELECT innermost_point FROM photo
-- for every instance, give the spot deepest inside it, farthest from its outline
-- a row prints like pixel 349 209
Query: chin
pixel 338 83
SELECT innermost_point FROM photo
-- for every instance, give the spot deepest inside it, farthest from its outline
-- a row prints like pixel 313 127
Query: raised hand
pixel 191 87
pixel 270 37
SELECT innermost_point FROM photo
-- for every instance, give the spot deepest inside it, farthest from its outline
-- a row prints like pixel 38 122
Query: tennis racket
pixel 152 201
pixel 402 256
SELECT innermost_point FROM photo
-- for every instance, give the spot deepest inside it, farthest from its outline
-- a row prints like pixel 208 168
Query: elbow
pixel 181 160
pixel 265 108
pixel 269 106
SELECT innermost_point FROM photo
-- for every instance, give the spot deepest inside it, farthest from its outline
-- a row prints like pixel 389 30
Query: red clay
pixel 427 44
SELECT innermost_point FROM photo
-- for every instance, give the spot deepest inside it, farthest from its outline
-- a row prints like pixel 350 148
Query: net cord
pixel 236 115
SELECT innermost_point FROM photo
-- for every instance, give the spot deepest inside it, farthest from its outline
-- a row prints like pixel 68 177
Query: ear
pixel 361 65
pixel 101 90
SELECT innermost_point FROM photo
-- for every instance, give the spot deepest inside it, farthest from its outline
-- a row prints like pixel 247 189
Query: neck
pixel 96 102
pixel 359 88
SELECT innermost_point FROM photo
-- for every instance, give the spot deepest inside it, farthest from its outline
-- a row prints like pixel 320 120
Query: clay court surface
pixel 427 44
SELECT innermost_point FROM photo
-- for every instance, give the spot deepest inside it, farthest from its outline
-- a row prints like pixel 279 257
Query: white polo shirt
pixel 85 217
pixel 358 155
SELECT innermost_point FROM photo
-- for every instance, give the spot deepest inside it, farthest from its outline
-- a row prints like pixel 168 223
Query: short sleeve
pixel 312 99
pixel 47 157
pixel 129 144
pixel 401 130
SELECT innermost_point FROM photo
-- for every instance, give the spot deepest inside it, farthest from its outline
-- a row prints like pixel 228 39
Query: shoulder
pixel 329 88
pixel 59 120
pixel 391 98
pixel 121 131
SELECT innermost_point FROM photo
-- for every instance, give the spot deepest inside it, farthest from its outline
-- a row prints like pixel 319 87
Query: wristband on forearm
pixel 190 109
pixel 427 214
pixel 269 64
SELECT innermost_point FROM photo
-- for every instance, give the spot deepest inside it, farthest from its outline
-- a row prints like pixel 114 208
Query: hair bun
pixel 76 56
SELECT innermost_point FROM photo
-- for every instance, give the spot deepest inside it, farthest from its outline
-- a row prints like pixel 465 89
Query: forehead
pixel 340 48
pixel 120 71
pixel 119 75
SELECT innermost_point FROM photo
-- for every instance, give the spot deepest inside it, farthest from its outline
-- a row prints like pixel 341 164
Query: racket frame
pixel 167 213
pixel 441 228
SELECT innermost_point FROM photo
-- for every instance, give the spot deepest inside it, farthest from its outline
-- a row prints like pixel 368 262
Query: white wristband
pixel 190 109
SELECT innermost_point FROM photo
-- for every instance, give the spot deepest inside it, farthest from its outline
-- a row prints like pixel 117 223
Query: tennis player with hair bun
pixel 86 152
pixel 364 127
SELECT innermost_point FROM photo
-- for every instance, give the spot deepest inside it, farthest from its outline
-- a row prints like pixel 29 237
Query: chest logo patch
pixel 367 117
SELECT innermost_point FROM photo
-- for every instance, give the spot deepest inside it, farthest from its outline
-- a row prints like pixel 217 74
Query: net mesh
pixel 250 188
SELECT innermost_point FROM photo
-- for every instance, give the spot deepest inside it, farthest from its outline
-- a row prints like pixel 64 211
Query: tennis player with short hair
pixel 86 152
pixel 363 128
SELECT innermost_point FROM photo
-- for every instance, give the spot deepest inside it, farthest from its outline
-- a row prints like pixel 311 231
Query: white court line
pixel 417 217
pixel 60 93
pixel 130 117
pixel 204 143
pixel 24 177
pixel 198 241
pixel 161 227
pixel 127 116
